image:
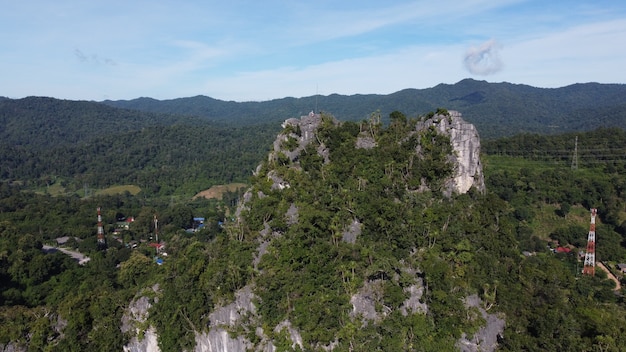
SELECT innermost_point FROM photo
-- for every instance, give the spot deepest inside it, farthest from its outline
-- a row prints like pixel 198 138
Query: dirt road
pixel 610 275
pixel 79 257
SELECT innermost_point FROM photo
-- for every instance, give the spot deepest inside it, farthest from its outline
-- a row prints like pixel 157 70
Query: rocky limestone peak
pixel 466 146
pixel 464 140
pixel 144 337
pixel 298 134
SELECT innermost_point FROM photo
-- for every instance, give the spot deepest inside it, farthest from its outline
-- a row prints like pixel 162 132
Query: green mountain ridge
pixel 497 109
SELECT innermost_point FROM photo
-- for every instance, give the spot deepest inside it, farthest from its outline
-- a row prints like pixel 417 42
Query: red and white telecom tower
pixel 100 230
pixel 590 256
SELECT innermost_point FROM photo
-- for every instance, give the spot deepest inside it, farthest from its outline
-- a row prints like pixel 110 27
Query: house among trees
pixel 198 223
pixel 622 268
pixel 123 224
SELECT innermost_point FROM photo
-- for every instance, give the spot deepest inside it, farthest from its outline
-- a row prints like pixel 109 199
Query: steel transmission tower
pixel 101 241
pixel 590 256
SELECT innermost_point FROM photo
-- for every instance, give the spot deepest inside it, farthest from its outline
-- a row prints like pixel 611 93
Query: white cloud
pixel 484 59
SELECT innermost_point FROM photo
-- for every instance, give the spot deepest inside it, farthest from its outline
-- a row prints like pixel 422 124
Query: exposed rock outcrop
pixel 134 321
pixel 466 146
pixel 365 301
pixel 486 338
pixel 413 304
pixel 297 135
pixel 12 347
pixel 352 231
pixel 464 139
pixel 219 340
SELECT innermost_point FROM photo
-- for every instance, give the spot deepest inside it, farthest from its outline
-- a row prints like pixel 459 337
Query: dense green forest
pixel 496 109
pixel 47 142
pixel 469 244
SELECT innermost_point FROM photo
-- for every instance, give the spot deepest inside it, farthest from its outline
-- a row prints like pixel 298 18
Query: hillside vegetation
pixel 315 233
pixel 80 146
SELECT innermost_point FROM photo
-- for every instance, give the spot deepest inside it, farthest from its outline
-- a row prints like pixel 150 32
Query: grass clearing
pixel 546 220
pixel 132 189
pixel 500 162
pixel 218 191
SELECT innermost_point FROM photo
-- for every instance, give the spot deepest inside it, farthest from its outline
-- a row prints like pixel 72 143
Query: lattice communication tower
pixel 101 241
pixel 590 256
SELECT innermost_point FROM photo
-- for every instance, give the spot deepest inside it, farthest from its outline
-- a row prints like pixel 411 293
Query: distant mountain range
pixel 497 109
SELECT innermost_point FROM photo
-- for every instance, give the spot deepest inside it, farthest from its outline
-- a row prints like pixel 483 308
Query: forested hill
pixel 497 109
pixel 75 143
pixel 48 122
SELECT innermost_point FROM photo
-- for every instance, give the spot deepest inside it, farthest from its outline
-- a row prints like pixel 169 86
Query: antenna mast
pixel 590 257
pixel 156 232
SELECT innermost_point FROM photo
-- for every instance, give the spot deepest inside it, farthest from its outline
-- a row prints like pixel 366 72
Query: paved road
pixel 79 257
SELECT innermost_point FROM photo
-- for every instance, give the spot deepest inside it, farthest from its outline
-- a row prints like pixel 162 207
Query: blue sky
pixel 262 50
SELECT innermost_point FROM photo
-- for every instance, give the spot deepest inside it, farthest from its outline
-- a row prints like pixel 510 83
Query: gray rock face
pixel 149 342
pixel 303 132
pixel 365 301
pixel 365 142
pixel 134 319
pixel 466 146
pixel 351 232
pixel 277 181
pixel 486 338
pixel 413 304
pixel 230 314
pixel 291 216
pixel 307 125
pixel 294 334
pixel 12 347
pixel 219 340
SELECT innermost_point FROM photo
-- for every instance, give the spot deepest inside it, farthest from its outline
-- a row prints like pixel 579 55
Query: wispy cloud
pixel 93 58
pixel 484 59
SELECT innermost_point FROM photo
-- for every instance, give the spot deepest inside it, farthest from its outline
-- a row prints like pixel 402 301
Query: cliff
pixel 465 143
